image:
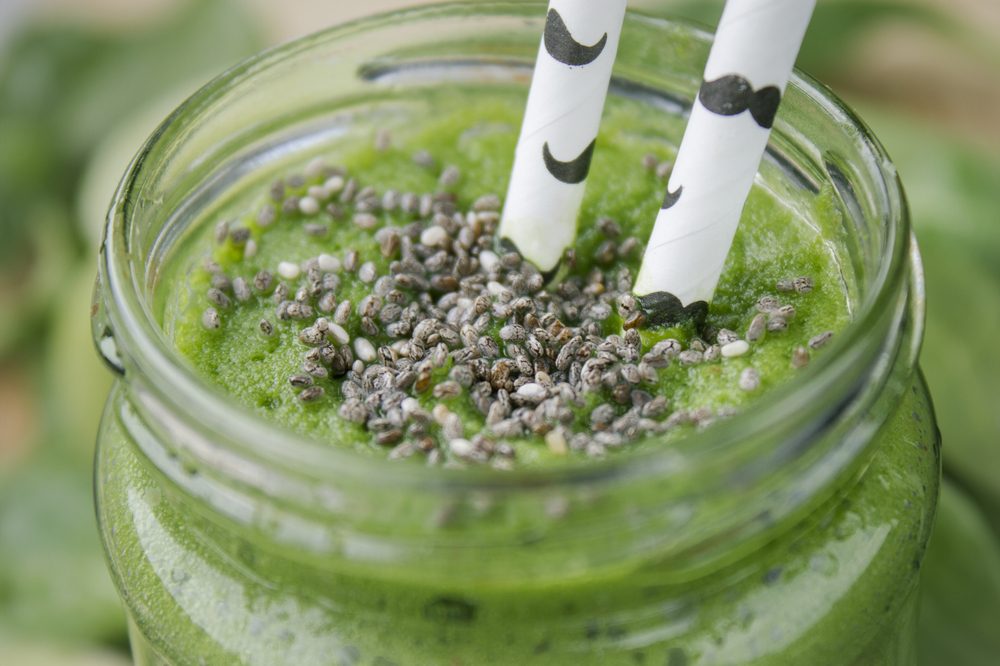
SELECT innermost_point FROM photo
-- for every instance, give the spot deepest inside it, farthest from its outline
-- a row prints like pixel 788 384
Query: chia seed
pixel 757 327
pixel 749 380
pixel 450 177
pixel 312 394
pixel 802 285
pixel 218 298
pixel 210 319
pixel 800 357
pixel 820 340
pixel 777 324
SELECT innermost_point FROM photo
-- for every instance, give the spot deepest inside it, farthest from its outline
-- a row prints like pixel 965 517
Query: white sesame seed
pixel 434 236
pixel 556 442
pixel 288 270
pixel 337 333
pixel 462 448
pixel 409 406
pixel 314 168
pixel 736 348
pixel 366 273
pixel 333 185
pixel 532 391
pixel 440 412
pixel 749 380
pixel 250 249
pixel 317 192
pixel 328 263
pixel 489 261
pixel 364 350
pixel 308 206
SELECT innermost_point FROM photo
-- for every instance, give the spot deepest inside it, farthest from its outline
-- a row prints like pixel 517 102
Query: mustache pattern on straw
pixel 672 197
pixel 575 170
pixel 731 95
pixel 561 45
pixel 664 309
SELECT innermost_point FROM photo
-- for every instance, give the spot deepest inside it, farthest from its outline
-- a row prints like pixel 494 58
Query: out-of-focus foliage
pixel 64 90
pixel 952 191
pixel 956 211
pixel 837 26
pixel 960 587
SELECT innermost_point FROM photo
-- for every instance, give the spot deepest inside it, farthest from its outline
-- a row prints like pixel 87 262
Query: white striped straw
pixel 748 69
pixel 565 104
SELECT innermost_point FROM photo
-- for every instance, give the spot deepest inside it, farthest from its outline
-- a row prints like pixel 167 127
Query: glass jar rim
pixel 137 331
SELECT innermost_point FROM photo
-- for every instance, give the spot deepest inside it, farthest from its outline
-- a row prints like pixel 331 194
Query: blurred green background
pixel 82 83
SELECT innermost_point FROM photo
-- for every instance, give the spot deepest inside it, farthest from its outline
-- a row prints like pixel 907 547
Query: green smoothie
pixel 825 592
pixel 762 323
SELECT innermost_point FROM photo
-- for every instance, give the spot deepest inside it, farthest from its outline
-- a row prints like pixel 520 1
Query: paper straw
pixel 565 104
pixel 748 68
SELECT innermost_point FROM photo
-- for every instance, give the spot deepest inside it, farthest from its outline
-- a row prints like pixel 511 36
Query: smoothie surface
pixel 780 255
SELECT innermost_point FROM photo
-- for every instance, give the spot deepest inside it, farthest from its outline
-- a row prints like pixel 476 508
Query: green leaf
pixel 62 89
pixel 960 587
pixel 42 654
pixel 838 27
pixel 54 584
pixel 952 191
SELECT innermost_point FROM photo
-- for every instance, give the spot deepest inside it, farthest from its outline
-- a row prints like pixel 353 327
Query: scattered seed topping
pixel 446 319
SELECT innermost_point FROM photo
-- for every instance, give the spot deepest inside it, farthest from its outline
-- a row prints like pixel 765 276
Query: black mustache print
pixel 571 172
pixel 731 95
pixel 664 309
pixel 672 197
pixel 561 45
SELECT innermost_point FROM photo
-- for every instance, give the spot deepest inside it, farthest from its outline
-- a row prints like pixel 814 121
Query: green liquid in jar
pixel 826 592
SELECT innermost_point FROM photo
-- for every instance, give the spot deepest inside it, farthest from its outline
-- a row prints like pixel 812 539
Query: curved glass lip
pixel 136 328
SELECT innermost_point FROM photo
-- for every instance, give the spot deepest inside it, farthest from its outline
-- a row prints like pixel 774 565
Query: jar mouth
pixel 787 413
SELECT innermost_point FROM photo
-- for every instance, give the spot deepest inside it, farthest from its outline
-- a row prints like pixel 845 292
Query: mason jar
pixel 791 533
